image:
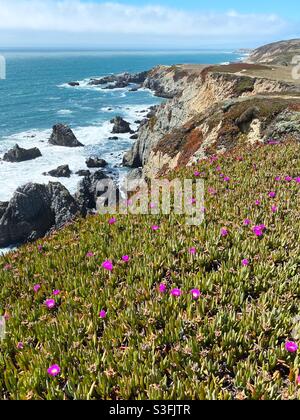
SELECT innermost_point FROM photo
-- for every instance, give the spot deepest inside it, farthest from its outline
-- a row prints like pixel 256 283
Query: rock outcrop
pixel 120 80
pixel 62 171
pixel 62 135
pixel 34 210
pixel 94 162
pixel 120 126
pixel 18 154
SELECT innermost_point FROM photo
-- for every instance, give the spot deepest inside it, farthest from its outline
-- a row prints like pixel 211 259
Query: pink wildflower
pixel 258 230
pixel 36 288
pixel 196 173
pixel 54 370
pixel 247 222
pixel 288 178
pixel 176 292
pixel 224 232
pixel 257 202
pixel 297 179
pixel 90 254
pixel 50 303
pixel 245 262
pixel 107 265
pixel 20 346
pixel 195 293
pixel 192 251
pixel 112 221
pixel 162 288
pixel 272 194
pixel 56 292
pixel 102 314
pixel 125 258
pixel 291 347
pixel 155 228
pixel 274 209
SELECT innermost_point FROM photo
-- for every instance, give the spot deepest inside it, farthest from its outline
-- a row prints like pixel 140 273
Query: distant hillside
pixel 279 53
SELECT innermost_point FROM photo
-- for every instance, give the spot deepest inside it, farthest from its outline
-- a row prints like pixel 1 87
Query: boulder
pixel 62 135
pixel 113 138
pixel 86 195
pixel 17 154
pixel 62 171
pixel 96 163
pixel 120 126
pixel 34 210
pixel 3 207
pixel 83 172
pixel 74 84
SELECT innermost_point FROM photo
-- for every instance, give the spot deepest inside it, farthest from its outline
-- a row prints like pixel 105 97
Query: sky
pixel 152 24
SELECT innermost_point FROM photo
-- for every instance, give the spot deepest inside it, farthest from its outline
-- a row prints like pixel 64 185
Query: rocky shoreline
pixel 208 110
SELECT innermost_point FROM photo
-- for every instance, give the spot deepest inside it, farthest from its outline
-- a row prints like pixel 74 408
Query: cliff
pixel 213 109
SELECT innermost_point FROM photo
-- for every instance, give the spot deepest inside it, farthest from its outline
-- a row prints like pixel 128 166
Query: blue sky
pixel 146 24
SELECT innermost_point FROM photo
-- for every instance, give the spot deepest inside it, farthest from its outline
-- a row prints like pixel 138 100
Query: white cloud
pixel 74 16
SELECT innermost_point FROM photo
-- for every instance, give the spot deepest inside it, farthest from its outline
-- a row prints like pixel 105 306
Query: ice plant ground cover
pixel 229 343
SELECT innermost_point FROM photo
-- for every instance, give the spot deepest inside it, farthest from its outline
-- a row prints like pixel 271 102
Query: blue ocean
pixel 36 95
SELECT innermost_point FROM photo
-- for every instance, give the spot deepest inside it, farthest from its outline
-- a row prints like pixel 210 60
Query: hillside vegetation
pixel 147 343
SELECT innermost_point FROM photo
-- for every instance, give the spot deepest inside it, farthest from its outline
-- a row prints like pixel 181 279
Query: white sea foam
pixel 64 112
pixel 94 137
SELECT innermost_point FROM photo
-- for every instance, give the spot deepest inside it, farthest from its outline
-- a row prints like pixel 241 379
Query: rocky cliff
pixel 211 109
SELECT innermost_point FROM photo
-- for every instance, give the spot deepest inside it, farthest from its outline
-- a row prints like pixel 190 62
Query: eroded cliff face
pixel 211 110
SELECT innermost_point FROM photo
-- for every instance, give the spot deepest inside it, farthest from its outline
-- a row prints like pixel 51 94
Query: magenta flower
pixel 54 370
pixel 102 314
pixel 298 380
pixel 226 179
pixel 278 178
pixel 40 248
pixel 297 179
pixel 107 265
pixel 274 209
pixel 125 258
pixel 258 230
pixel 162 288
pixel 247 222
pixel 197 173
pixel 176 292
pixel 155 228
pixel 291 347
pixel 192 251
pixel 218 169
pixel 272 194
pixel 195 293
pixel 50 303
pixel 36 288
pixel 257 202
pixel 224 232
pixel 112 221
pixel 288 178
pixel 7 267
pixel 20 346
pixel 152 205
pixel 90 254
pixel 245 262
pixel 193 201
pixel 56 292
